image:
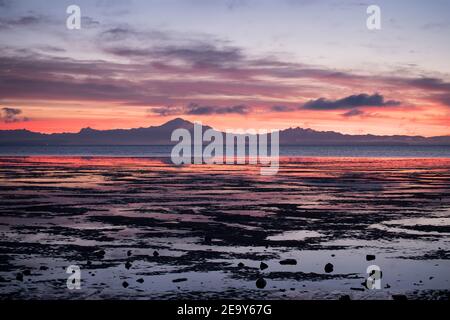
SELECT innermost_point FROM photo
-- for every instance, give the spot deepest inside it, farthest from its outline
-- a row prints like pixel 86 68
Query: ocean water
pixel 294 151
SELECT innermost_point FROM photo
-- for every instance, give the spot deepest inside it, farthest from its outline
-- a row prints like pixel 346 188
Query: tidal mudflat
pixel 141 228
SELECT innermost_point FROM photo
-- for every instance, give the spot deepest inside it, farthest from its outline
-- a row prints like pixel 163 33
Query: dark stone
pixel 125 284
pixel 129 253
pixel 19 276
pixel 370 257
pixel 100 253
pixel 140 280
pixel 241 265
pixel 179 280
pixel 128 265
pixel 43 268
pixel 387 286
pixel 329 268
pixel 26 272
pixel 261 283
pixel 288 262
pixel 263 266
pixel 155 253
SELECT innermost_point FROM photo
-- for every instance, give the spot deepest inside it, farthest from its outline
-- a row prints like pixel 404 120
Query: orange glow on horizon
pixel 72 116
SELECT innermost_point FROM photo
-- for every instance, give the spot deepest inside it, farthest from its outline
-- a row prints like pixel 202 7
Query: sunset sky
pixel 230 64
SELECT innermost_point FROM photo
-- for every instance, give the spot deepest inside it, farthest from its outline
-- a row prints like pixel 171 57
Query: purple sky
pixel 244 62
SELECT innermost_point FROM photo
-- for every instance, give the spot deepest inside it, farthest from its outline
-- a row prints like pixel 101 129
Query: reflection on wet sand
pixel 143 228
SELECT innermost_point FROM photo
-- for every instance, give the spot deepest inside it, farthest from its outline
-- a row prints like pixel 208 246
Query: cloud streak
pixel 353 113
pixel 201 110
pixel 350 102
pixel 11 115
pixel 195 109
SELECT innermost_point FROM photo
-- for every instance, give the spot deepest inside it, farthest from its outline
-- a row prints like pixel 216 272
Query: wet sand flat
pixel 141 228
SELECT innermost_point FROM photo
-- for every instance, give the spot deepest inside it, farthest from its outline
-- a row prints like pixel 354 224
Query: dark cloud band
pixel 350 102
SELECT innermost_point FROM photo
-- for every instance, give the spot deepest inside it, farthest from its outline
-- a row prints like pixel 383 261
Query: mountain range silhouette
pixel 160 135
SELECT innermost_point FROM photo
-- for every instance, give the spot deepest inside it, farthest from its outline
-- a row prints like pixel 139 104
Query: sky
pixel 231 64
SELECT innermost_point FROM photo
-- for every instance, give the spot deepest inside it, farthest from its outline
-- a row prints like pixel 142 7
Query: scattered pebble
pixel 140 280
pixel 26 272
pixel 101 253
pixel 125 284
pixel 129 253
pixel 329 268
pixel 43 268
pixel 155 253
pixel 370 257
pixel 288 262
pixel 241 265
pixel 19 276
pixel 263 266
pixel 128 265
pixel 261 283
pixel 179 280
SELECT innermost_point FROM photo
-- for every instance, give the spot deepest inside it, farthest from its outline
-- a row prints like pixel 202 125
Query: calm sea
pixel 299 151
